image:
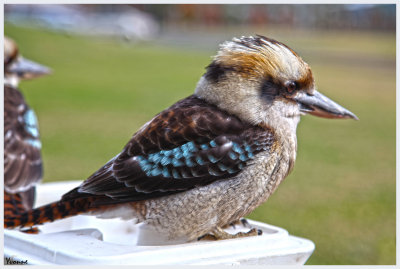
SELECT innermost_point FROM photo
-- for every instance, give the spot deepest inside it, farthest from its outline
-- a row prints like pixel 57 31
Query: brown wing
pixel 22 158
pixel 192 143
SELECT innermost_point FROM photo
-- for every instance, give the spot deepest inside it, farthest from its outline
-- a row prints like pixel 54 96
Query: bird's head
pixel 16 67
pixel 263 81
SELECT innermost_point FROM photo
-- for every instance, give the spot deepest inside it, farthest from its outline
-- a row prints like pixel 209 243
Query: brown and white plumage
pixel 22 147
pixel 212 157
pixel 22 157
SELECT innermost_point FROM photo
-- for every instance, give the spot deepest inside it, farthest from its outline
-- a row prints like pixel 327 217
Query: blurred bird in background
pixel 22 157
pixel 211 158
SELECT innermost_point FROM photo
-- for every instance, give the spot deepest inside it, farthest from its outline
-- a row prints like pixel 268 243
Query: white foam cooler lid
pixel 86 240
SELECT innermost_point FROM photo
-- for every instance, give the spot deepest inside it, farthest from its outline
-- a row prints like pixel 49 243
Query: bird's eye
pixel 291 86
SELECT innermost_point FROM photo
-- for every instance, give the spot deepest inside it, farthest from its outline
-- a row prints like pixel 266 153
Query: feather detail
pixel 22 157
pixel 190 144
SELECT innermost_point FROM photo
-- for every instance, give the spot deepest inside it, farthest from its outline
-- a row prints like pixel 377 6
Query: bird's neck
pixel 288 139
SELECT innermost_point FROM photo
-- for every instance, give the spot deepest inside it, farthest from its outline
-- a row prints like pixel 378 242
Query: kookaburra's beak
pixel 27 69
pixel 319 105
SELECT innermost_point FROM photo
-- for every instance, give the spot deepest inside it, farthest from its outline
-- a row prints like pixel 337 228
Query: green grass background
pixel 341 194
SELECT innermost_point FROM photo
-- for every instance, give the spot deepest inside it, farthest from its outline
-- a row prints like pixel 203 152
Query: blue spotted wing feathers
pixel 191 144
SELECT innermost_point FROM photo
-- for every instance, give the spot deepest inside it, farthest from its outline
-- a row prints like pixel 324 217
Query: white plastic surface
pixel 87 240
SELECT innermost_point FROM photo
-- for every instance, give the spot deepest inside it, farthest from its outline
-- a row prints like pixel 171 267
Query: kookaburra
pixel 211 158
pixel 22 157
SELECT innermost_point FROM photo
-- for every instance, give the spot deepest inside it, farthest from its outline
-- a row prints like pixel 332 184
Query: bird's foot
pixel 207 237
pixel 220 234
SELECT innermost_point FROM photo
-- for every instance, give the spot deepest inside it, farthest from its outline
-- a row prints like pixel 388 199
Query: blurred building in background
pixel 144 22
pixel 360 16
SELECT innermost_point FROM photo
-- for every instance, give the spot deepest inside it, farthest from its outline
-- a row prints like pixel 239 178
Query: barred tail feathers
pixel 13 204
pixel 49 213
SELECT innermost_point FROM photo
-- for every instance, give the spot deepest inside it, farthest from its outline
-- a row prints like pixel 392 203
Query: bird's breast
pixel 260 179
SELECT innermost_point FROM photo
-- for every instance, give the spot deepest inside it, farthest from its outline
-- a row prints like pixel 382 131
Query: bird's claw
pixel 245 223
pixel 207 237
pixel 220 234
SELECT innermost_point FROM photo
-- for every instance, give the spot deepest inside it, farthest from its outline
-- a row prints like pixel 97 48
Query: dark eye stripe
pixel 269 90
